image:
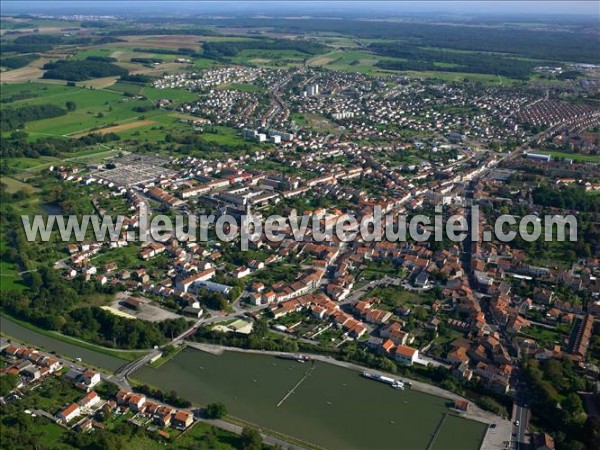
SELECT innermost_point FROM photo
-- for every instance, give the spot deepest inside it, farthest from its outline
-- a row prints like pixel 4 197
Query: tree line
pixel 555 45
pixel 219 50
pixel 554 385
pixel 17 145
pixel 91 67
pixel 18 61
pixel 416 58
pixel 13 118
pixel 42 43
pixel 569 197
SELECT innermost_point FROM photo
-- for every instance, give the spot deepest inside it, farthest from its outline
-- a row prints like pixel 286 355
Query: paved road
pixel 522 414
pixel 237 429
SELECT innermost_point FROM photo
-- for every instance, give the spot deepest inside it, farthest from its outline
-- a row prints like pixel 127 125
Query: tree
pixel 7 383
pixel 251 439
pixel 106 412
pixel 71 106
pixel 421 313
pixel 215 410
pixel 261 327
pixel 573 404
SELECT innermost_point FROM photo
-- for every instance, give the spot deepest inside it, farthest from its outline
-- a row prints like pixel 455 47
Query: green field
pixel 241 87
pixel 178 95
pixel 274 58
pixel 13 185
pixel 575 156
pixel 24 163
pixel 10 280
pixel 105 52
pixel 225 136
pixel 96 108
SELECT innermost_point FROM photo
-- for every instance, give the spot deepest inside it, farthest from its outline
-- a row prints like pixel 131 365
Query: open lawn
pixel 126 126
pixel 225 136
pixel 13 185
pixel 24 163
pixel 173 42
pixel 52 395
pixel 52 432
pixel 315 122
pixel 241 87
pixel 95 109
pixel 575 156
pixel 274 58
pixel 10 280
pixel 178 95
pixel 203 434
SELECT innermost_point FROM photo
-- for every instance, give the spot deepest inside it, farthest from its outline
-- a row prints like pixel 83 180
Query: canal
pixel 323 404
pixel 50 344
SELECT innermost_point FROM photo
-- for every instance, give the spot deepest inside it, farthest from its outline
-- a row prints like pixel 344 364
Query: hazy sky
pixel 514 7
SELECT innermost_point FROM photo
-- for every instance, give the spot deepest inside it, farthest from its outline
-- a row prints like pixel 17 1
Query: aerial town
pixel 204 342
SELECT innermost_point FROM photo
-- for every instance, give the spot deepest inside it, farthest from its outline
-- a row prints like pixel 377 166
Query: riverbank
pixel 475 412
pixel 127 355
pixel 494 439
pixel 46 341
pixel 320 403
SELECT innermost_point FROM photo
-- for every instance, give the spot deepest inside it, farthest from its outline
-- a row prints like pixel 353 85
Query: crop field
pixel 350 61
pixel 168 42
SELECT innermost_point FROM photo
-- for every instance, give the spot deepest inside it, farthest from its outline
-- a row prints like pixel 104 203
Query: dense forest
pixel 83 70
pixel 138 78
pixel 167 51
pixel 42 43
pixel 555 385
pixel 16 62
pixel 416 58
pixel 31 43
pixel 540 44
pixel 13 118
pixel 146 60
pixel 571 197
pixel 17 145
pixel 55 304
pixel 218 50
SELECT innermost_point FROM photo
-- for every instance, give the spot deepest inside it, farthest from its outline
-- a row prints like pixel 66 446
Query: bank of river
pixel 48 343
pixel 328 405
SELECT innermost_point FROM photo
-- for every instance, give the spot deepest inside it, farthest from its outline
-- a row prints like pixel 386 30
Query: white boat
pixel 396 384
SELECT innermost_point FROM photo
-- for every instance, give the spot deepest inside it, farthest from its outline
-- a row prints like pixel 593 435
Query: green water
pixel 333 407
pixel 50 344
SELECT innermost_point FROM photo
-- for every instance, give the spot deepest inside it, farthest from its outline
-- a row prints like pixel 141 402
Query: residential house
pixel 406 355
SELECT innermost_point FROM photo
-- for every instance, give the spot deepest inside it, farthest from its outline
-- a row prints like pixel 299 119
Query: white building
pixel 406 355
pixel 69 413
